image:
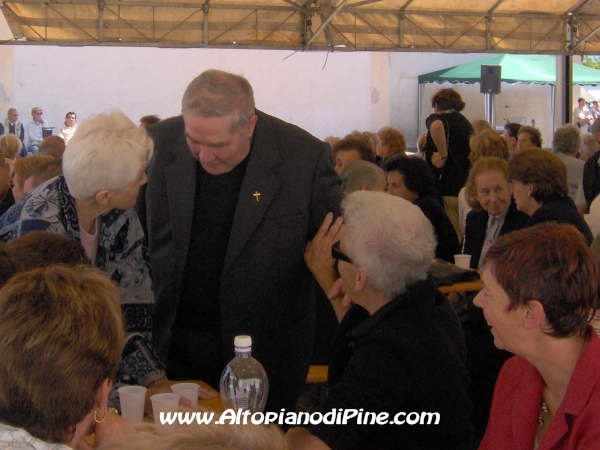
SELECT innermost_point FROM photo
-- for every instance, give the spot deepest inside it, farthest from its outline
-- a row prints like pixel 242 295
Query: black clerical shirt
pixel 214 208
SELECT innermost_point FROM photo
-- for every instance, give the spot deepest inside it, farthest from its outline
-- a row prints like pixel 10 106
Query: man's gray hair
pixel 566 140
pixel 389 238
pixel 360 173
pixel 215 93
pixel 108 151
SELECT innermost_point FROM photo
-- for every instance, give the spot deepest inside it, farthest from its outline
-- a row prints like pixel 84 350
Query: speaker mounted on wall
pixel 491 79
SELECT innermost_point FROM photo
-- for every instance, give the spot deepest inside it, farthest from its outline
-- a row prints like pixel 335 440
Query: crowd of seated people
pixel 372 261
pixel 513 184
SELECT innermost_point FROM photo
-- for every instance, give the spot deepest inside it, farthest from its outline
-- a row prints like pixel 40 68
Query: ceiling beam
pixel 589 35
pixel 326 21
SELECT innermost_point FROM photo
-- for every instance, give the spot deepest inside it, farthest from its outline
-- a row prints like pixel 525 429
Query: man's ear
pixel 250 125
pixel 534 315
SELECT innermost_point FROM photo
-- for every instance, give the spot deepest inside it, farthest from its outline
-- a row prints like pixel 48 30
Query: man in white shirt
pixel 68 128
pixel 582 117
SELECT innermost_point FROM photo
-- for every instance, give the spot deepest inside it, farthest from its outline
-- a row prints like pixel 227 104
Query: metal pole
pixel 420 107
pixel 490 109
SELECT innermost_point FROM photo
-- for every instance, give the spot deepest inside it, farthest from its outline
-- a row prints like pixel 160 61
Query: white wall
pixel 323 94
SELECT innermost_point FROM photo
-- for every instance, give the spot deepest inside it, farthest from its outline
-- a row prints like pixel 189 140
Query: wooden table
pixel 468 286
pixel 214 404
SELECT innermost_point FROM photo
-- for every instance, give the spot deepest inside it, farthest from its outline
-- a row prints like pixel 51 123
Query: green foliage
pixel 591 61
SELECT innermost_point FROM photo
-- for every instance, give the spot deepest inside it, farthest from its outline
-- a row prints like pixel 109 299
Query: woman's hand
pixel 317 254
pixel 438 161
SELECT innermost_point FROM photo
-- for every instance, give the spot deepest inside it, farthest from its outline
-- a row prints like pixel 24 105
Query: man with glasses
pixel 34 133
pixel 13 126
pixel 68 128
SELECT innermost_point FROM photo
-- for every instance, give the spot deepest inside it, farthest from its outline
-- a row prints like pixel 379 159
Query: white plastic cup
pixel 132 400
pixel 163 403
pixel 463 261
pixel 187 390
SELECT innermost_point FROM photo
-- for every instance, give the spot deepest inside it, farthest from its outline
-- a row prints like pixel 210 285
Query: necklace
pixel 544 411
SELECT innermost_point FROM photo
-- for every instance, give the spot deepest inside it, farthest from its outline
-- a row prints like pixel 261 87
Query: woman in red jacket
pixel 539 286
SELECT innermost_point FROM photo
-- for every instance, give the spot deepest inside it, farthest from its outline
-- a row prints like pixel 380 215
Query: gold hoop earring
pixel 96 415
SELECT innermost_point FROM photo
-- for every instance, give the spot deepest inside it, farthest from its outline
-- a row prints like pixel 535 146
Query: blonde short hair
pixel 10 146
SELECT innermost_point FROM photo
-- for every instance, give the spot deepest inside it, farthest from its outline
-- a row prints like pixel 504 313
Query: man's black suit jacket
pixel 477 226
pixel 267 291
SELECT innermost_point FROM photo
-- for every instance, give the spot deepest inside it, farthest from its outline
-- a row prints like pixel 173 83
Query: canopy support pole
pixel 490 109
pixel 420 107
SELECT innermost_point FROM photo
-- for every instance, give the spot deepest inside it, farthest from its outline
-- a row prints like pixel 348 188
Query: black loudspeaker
pixel 491 78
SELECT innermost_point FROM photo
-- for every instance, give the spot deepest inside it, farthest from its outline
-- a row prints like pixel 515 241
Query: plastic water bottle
pixel 244 383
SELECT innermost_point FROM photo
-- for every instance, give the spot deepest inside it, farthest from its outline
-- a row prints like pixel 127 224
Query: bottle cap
pixel 243 343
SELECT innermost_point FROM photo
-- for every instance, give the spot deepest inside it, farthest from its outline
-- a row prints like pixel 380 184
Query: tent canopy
pixel 469 26
pixel 537 69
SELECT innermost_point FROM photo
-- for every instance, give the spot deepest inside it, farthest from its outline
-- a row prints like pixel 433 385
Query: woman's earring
pixel 96 415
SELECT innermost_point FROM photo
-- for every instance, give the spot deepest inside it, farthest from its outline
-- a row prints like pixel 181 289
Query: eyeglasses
pixel 38 112
pixel 338 256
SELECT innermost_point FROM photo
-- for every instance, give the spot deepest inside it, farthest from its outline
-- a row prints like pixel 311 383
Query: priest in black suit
pixel 233 196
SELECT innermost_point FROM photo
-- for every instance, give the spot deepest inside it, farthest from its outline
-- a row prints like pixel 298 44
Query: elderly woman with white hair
pixel 400 351
pixel 104 167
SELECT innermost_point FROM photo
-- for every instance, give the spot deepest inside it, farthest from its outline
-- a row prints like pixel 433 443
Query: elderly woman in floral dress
pixel 92 202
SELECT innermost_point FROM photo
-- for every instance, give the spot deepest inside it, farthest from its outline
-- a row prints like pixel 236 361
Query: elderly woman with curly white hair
pixel 92 202
pixel 400 349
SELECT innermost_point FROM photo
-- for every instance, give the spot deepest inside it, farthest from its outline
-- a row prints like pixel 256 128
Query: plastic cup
pixel 187 390
pixel 132 400
pixel 163 403
pixel 463 261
